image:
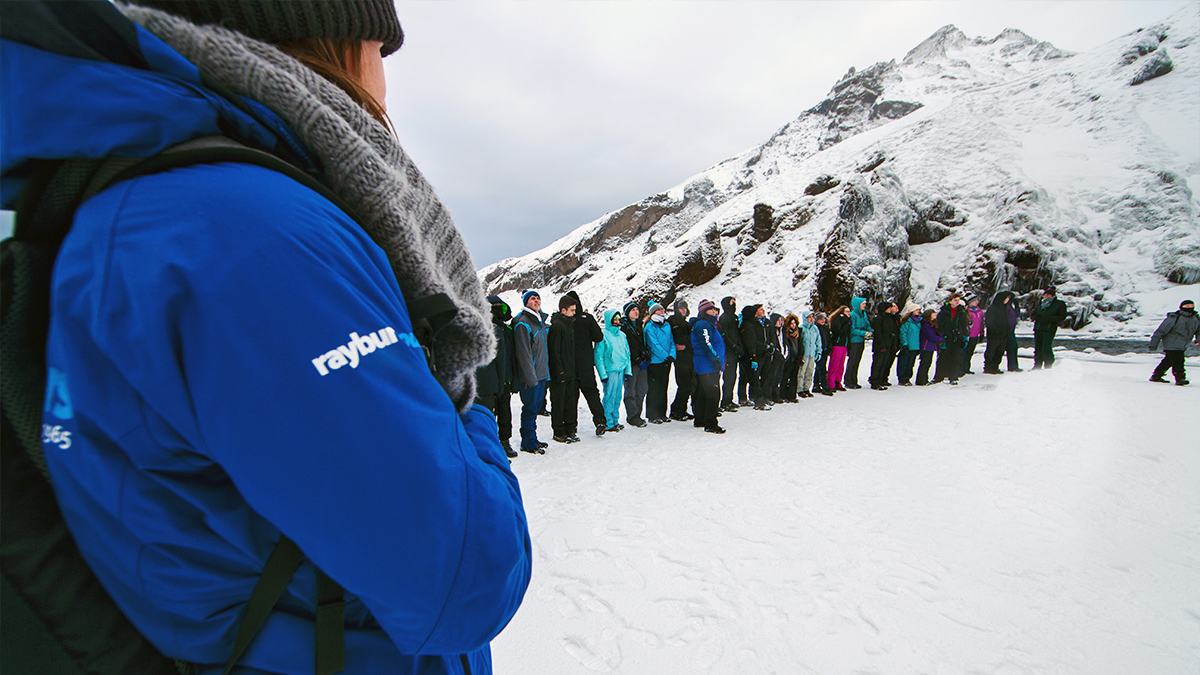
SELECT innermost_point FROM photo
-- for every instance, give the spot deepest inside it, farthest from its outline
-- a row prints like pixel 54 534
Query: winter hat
pixel 278 21
pixel 1050 290
pixel 529 294
pixel 1186 302
pixel 680 303
pixel 821 316
pixel 494 300
pixel 655 307
pixel 705 305
pixel 566 301
pixel 911 307
pixel 630 306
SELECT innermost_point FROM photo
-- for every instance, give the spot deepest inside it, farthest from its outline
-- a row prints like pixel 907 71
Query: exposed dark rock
pixel 924 231
pixel 893 110
pixel 822 184
pixel 834 283
pixel 1144 45
pixel 873 163
pixel 764 222
pixel 795 218
pixel 856 205
pixel 1157 65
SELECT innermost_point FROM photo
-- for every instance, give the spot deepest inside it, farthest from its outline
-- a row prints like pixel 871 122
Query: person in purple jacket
pixel 931 341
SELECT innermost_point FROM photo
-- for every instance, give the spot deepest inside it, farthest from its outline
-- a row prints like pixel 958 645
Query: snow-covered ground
pixel 1041 522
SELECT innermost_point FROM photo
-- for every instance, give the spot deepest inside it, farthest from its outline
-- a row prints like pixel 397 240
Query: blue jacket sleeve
pixel 277 342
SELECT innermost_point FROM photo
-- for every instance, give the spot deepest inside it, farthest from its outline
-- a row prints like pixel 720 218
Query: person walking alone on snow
pixel 1047 317
pixel 1174 333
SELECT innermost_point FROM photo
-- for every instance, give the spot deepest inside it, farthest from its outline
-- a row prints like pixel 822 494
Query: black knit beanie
pixel 281 20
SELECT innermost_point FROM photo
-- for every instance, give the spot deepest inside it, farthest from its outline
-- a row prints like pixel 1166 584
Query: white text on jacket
pixel 359 346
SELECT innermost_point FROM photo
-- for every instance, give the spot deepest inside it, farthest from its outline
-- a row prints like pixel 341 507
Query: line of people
pixel 724 360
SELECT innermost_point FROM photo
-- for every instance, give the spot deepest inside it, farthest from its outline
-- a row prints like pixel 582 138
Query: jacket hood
pixel 608 317
pixel 560 318
pixel 856 303
pixel 883 305
pixel 749 311
pixel 727 303
pixel 102 85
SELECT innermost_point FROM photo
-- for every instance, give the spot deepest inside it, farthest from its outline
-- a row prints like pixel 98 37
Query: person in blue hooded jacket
pixel 860 330
pixel 613 365
pixel 231 354
pixel 708 348
pixel 662 352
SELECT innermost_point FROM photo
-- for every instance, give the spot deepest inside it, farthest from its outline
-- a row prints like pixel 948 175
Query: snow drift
pixel 973 164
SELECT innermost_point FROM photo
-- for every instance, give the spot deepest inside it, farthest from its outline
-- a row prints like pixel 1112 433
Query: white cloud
pixel 532 118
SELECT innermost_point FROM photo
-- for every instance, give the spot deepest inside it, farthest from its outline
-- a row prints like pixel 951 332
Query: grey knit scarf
pixel 364 166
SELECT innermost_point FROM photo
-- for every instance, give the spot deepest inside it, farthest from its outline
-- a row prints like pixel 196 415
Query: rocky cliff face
pixel 974 164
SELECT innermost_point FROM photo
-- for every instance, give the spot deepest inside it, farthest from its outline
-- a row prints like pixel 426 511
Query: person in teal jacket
pixel 860 330
pixel 613 365
pixel 910 343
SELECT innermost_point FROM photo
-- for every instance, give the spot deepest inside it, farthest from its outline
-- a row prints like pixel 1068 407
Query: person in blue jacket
pixel 662 352
pixel 231 356
pixel 860 330
pixel 708 349
pixel 613 365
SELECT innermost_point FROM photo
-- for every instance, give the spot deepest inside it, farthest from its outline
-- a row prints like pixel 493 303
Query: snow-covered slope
pixel 972 164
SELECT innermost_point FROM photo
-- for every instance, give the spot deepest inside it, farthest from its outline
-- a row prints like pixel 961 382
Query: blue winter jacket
pixel 230 358
pixel 910 333
pixel 660 341
pixel 810 335
pixel 612 353
pixel 708 347
pixel 860 323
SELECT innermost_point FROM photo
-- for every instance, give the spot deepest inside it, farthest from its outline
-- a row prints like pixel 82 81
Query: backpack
pixel 48 588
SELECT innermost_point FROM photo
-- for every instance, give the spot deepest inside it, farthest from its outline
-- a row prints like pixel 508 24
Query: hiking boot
pixel 560 438
pixel 573 438
pixel 615 428
pixel 508 448
pixel 656 420
pixel 600 429
pixel 639 423
pixel 1182 383
pixel 543 444
pixel 826 392
pixel 533 451
pixel 543 413
pixel 714 430
pixel 1158 378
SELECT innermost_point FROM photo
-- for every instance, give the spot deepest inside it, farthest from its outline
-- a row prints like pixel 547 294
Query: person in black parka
pixel 754 344
pixel 998 327
pixel 1048 315
pixel 685 370
pixel 776 356
pixel 727 326
pixel 563 346
pixel 885 345
pixel 495 380
pixel 637 384
pixel 955 325
pixel 587 335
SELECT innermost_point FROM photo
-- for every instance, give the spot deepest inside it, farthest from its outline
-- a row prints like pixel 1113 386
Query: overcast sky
pixel 533 118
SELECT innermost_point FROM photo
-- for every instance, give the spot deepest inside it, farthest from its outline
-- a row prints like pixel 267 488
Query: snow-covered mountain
pixel 972 164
